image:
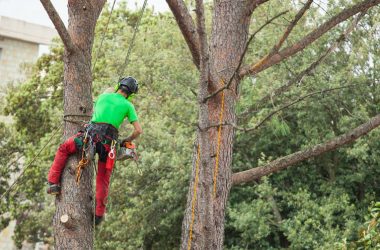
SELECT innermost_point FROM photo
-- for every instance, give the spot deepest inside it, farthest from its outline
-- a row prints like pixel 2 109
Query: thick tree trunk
pixel 203 224
pixel 228 40
pixel 77 202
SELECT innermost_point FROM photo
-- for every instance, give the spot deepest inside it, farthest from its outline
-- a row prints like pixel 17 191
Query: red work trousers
pixel 102 178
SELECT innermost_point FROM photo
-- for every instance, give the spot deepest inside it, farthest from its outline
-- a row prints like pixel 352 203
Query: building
pixel 19 43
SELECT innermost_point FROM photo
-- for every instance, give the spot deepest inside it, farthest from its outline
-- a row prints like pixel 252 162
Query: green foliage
pixel 317 204
pixel 369 231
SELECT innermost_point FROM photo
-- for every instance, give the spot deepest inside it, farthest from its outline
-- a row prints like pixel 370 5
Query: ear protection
pixel 131 97
pixel 129 85
pixel 117 86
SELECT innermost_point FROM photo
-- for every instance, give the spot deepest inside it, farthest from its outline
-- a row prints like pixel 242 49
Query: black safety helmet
pixel 129 85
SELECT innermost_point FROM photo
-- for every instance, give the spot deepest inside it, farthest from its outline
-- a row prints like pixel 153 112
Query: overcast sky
pixel 32 10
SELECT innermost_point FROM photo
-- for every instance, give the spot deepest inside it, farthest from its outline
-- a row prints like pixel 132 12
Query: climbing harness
pixel 100 138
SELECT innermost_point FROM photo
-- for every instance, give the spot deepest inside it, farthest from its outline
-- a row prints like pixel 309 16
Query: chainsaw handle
pixel 129 145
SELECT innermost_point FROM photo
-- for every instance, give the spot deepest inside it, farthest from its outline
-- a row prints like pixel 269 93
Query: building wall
pixel 13 54
pixel 6 242
pixel 19 44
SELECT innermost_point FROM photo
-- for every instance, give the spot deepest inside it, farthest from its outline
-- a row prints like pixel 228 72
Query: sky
pixel 32 10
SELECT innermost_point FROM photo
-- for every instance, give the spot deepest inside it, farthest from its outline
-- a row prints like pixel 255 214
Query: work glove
pixel 123 142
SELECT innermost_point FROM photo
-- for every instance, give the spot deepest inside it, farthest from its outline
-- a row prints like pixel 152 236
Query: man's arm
pixel 136 132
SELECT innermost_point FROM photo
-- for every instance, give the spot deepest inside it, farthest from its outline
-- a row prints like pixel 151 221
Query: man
pixel 109 113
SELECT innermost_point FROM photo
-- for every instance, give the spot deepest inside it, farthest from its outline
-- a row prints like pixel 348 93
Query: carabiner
pixel 111 154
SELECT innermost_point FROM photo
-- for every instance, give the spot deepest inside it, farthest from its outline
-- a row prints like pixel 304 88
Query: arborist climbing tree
pixel 99 136
pixel 76 202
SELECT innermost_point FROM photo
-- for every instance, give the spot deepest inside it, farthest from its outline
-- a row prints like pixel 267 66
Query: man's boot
pixel 53 189
pixel 98 220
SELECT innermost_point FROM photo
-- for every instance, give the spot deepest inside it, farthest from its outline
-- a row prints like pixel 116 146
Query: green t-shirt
pixel 113 108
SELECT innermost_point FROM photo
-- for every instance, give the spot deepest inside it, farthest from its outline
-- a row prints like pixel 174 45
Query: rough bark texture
pixel 229 36
pixel 218 62
pixel 76 202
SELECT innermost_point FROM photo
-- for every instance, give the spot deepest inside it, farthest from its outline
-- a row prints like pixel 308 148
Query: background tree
pixel 320 203
pixel 220 58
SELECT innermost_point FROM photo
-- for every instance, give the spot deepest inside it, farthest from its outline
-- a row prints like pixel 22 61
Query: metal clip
pixel 112 154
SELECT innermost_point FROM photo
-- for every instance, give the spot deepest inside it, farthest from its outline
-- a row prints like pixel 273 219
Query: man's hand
pixel 136 132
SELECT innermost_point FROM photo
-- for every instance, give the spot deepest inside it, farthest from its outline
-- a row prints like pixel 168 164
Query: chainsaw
pixel 126 151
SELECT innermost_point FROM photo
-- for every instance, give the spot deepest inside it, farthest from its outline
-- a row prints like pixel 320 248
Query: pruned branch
pixel 68 222
pixel 187 27
pixel 242 56
pixel 308 39
pixel 59 25
pixel 309 70
pixel 290 160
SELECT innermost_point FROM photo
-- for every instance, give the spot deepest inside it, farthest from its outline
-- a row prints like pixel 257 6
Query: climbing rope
pixel 94 204
pixel 194 198
pixel 104 34
pixel 216 168
pixel 84 161
pixel 31 162
pixel 124 66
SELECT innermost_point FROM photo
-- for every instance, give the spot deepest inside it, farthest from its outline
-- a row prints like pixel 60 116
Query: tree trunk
pixel 203 224
pixel 228 40
pixel 77 201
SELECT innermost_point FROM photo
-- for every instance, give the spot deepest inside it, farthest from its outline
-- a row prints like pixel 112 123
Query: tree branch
pixel 289 29
pixel 187 27
pixel 286 34
pixel 290 160
pixel 308 39
pixel 59 25
pixel 242 56
pixel 203 45
pixel 308 71
pixel 295 102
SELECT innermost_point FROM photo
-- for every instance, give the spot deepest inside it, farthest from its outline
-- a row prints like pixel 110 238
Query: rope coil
pixel 84 161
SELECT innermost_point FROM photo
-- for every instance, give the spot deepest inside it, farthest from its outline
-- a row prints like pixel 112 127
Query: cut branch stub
pixel 68 221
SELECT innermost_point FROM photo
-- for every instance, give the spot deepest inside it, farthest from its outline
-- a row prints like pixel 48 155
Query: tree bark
pixel 229 36
pixel 76 201
pixel 203 224
pixel 186 24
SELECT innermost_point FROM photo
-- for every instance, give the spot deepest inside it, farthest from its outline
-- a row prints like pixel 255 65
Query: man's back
pixel 113 108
